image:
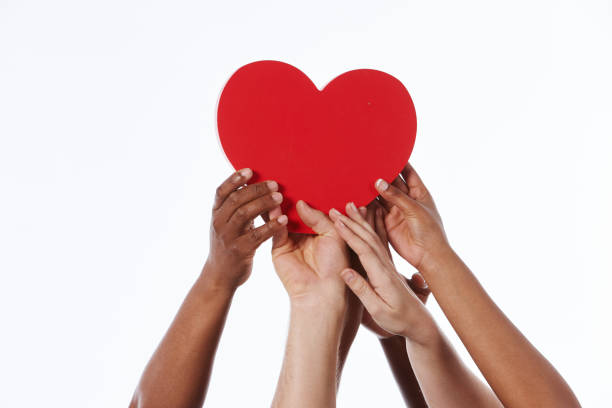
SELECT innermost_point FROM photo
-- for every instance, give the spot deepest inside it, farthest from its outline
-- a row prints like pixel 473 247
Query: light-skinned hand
pixel 309 265
pixel 390 302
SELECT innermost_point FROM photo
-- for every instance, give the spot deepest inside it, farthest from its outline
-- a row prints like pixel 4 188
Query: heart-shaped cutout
pixel 325 147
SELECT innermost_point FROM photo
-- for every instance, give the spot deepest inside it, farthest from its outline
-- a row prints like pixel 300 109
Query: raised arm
pixel 178 373
pixel 393 306
pixel 517 372
pixel 309 268
pixel 393 346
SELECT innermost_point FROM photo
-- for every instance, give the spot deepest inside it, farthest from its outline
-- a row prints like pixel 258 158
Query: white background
pixel 109 159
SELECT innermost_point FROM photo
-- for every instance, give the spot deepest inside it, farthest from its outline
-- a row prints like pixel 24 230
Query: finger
pixel 400 184
pixel 363 211
pixel 314 219
pixel 419 287
pixel 234 181
pixel 249 211
pixel 238 198
pixel 362 289
pixel 381 231
pixel 370 215
pixel 358 226
pixel 366 231
pixel 370 260
pixel 392 195
pixel 416 187
pixel 280 236
pixel 255 237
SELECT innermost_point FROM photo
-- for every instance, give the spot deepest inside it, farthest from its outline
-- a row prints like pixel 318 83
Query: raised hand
pixel 179 371
pixel 412 222
pixel 386 296
pixel 233 239
pixel 498 348
pixel 309 265
pixel 374 215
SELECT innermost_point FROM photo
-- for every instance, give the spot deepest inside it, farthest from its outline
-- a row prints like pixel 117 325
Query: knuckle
pixel 363 250
pixel 241 213
pixel 216 227
pixel 235 248
pixel 260 188
pixel 234 199
pixel 359 286
pixel 255 234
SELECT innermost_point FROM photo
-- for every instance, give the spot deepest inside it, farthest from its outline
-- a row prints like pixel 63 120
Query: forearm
pixel 308 374
pixel 397 356
pixel 443 378
pixel 517 372
pixel 178 373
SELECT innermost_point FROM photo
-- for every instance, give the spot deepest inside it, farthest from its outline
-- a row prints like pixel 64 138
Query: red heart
pixel 325 147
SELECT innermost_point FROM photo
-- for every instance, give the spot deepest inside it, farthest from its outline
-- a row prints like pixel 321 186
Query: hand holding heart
pixel 309 265
pixel 385 294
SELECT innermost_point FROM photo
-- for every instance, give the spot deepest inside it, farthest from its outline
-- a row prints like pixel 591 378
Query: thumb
pixel 394 196
pixel 315 219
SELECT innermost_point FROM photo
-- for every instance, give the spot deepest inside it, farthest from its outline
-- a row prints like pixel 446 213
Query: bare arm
pixel 308 375
pixel 177 375
pixel 179 371
pixel 517 372
pixel 394 348
pixel 309 266
pixel 442 377
pixel 514 368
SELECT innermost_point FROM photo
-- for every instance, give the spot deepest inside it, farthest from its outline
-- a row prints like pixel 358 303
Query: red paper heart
pixel 325 147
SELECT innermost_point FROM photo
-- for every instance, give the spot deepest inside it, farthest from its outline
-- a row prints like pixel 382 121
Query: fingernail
pixel 347 275
pixel 277 197
pixel 246 173
pixel 282 220
pixel 272 185
pixel 382 185
pixel 334 213
pixel 363 209
pixel 352 206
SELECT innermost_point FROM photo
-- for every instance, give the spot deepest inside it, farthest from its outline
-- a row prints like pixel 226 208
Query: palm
pixel 304 259
pixel 404 237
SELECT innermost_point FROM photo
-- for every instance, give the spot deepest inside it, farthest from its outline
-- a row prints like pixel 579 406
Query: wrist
pixel 427 336
pixel 213 288
pixel 437 259
pixel 319 307
pixel 218 278
pixel 317 325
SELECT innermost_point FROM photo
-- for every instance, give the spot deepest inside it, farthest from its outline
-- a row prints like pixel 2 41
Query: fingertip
pixel 302 205
pixel 277 197
pixel 334 214
pixel 246 173
pixel 381 185
pixel 272 185
pixel 348 275
pixel 282 219
pixel 418 279
pixel 275 213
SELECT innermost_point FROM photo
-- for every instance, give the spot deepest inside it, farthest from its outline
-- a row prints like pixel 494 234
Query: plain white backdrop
pixel 109 160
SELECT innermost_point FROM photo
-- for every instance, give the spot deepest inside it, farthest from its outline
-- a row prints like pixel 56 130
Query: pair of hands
pixel 314 268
